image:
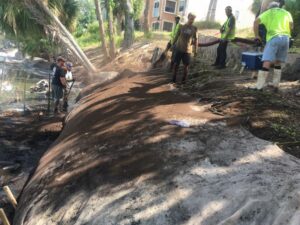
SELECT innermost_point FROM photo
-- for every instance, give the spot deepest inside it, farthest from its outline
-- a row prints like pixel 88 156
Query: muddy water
pixel 23 114
pixel 19 90
pixel 15 85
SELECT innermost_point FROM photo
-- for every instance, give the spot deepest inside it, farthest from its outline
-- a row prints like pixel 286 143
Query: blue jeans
pixel 277 49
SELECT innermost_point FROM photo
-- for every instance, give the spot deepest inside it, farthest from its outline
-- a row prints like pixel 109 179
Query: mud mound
pixel 119 161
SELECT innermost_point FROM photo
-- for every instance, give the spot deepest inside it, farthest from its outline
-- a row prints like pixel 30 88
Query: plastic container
pixel 252 60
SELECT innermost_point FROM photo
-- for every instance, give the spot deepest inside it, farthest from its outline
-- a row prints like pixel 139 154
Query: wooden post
pixel 3 217
pixel 10 196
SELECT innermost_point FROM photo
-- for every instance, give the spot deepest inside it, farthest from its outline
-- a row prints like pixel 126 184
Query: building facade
pixel 162 13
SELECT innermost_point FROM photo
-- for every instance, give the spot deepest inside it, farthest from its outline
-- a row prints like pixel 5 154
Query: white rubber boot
pixel 276 78
pixel 261 79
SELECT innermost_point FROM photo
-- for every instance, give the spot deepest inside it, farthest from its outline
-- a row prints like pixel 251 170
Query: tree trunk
pixel 101 28
pixel 146 17
pixel 111 29
pixel 211 14
pixel 129 24
pixel 70 42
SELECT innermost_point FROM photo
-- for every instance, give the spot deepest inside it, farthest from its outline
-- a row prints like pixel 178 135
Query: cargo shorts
pixel 182 56
pixel 277 49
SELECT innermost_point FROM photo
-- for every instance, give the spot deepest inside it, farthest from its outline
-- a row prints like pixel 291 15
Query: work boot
pixel 261 79
pixel 276 78
pixel 221 67
pixel 174 79
pixel 171 67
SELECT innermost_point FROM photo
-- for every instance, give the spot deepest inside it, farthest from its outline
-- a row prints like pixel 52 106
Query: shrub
pixel 201 25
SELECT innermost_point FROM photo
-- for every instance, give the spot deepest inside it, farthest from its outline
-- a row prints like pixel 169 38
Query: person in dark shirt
pixel 186 44
pixel 59 82
pixel 53 66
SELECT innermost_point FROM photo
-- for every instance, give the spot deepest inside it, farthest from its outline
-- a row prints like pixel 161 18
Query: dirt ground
pixel 121 160
pixel 272 116
pixel 23 140
pixel 224 97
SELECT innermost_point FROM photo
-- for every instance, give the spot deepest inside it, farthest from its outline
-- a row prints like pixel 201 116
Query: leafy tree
pixel 35 20
pixel 138 6
pixel 293 6
pixel 101 28
pixel 109 4
pixel 129 23
pixel 255 8
pixel 86 16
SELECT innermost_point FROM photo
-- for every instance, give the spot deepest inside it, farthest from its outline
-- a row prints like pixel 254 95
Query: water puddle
pixel 23 91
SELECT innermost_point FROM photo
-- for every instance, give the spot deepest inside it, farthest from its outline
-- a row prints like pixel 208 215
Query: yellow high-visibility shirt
pixel 277 22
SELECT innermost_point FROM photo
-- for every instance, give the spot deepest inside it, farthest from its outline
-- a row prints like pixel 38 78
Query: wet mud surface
pixel 23 140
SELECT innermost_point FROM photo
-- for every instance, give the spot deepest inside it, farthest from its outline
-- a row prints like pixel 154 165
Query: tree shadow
pixel 120 162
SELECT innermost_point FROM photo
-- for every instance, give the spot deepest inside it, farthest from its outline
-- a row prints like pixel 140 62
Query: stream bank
pixel 27 128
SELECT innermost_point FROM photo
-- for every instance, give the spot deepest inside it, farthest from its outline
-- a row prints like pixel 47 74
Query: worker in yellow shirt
pixel 227 34
pixel 173 35
pixel 279 24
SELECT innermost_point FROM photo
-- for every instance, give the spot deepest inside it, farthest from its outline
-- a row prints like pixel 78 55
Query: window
pixel 181 7
pixel 155 26
pixel 168 26
pixel 237 15
pixel 156 8
pixel 170 6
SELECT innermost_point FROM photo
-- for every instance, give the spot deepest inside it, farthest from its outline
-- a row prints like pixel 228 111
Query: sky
pixel 245 19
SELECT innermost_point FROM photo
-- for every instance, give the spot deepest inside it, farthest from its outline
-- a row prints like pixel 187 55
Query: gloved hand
pixel 169 45
pixel 258 42
pixel 223 40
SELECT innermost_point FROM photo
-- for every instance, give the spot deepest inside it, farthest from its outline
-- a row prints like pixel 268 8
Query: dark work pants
pixel 221 54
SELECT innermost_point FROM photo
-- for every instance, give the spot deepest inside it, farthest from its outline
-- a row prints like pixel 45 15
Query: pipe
pixel 10 196
pixel 3 217
pixel 236 40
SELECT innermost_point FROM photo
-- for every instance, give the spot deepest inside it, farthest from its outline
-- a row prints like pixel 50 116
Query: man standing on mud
pixel 279 24
pixel 227 34
pixel 59 83
pixel 186 43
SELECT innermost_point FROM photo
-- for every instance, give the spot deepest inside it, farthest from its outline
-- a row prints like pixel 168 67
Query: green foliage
pixel 90 37
pixel 86 16
pixel 18 24
pixel 256 5
pixel 293 6
pixel 138 6
pixel 207 25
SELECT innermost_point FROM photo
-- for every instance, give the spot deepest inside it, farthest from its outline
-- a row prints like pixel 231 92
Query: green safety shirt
pixel 228 29
pixel 277 22
pixel 174 32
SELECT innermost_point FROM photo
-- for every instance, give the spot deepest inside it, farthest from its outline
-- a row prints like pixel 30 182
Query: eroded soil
pixel 272 116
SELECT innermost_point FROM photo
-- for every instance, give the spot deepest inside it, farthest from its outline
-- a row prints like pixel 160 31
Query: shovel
pixel 163 55
pixel 65 105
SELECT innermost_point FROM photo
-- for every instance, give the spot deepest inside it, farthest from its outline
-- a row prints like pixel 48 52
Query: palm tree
pixel 146 17
pixel 129 23
pixel 101 28
pixel 211 15
pixel 33 20
pixel 108 4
